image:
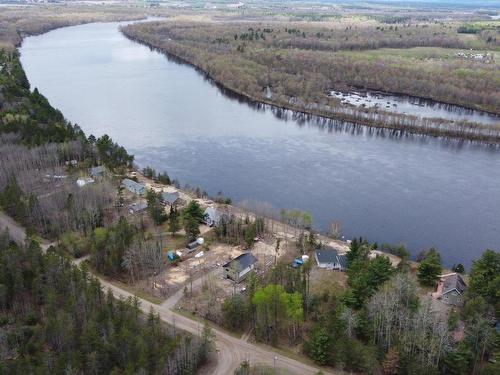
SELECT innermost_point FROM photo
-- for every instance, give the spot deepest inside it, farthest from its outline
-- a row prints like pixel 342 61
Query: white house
pixel 329 258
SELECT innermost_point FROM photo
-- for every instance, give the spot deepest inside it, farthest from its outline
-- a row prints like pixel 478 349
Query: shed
pixel 133 186
pixel 239 267
pixel 329 258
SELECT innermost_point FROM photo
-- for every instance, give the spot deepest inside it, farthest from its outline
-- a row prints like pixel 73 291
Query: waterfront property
pixel 332 154
pixel 212 216
pixel 450 289
pixel 170 198
pixel 329 258
pixel 239 267
pixel 133 187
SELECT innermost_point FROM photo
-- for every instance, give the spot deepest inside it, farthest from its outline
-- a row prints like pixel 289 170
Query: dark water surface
pixel 415 190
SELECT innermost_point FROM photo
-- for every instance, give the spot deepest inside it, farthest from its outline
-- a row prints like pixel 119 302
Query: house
pixel 98 172
pixel 450 289
pixel 82 181
pixel 138 207
pixel 170 198
pixel 239 267
pixel 212 216
pixel 133 186
pixel 330 259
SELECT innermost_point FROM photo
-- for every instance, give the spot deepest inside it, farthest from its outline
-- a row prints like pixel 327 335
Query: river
pixel 414 190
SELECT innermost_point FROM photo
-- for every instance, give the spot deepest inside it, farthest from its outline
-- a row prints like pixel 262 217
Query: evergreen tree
pixel 430 268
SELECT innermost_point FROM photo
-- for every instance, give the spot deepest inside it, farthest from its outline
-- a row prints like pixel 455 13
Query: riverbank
pixel 375 184
pixel 17 23
pixel 214 69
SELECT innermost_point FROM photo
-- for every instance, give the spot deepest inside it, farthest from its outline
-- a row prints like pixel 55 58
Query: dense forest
pixel 55 318
pixel 296 65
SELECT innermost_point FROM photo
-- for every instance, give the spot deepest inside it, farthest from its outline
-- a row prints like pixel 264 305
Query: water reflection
pixel 387 185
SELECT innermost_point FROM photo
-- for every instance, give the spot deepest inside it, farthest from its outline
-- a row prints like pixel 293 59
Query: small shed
pixel 133 186
pixel 239 267
pixel 329 258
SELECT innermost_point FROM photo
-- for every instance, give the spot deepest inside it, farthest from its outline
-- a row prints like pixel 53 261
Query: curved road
pixel 231 351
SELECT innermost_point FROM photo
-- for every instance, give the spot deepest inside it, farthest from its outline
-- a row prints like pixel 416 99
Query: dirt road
pixel 231 351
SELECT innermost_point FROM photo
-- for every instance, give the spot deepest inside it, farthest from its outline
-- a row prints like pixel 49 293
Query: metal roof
pixel 170 197
pixel 453 281
pixel 330 255
pixel 97 170
pixel 242 261
pixel 131 184
pixel 212 213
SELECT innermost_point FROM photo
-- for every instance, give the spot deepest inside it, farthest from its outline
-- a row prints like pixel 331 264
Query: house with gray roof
pixel 212 216
pixel 99 171
pixel 450 289
pixel 239 267
pixel 134 187
pixel 138 207
pixel 170 198
pixel 329 258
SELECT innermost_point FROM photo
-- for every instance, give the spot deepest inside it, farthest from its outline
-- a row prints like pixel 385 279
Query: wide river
pixel 415 190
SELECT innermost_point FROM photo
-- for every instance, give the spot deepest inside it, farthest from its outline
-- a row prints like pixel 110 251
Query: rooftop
pixel 132 184
pixel 453 281
pixel 330 255
pixel 242 261
pixel 170 197
pixel 97 170
pixel 212 213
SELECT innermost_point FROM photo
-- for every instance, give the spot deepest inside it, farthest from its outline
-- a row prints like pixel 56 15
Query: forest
pixel 55 318
pixel 295 65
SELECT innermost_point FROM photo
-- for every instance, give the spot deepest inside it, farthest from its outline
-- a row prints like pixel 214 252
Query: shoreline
pixel 460 134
